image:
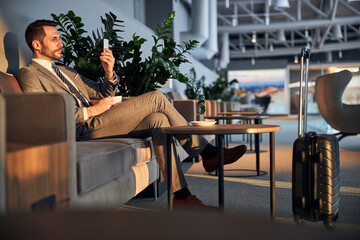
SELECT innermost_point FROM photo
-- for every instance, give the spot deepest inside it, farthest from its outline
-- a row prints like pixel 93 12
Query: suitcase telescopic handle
pixel 305 52
pixel 302 121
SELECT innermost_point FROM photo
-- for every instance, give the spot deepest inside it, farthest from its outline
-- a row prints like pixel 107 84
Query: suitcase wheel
pixel 329 224
pixel 298 220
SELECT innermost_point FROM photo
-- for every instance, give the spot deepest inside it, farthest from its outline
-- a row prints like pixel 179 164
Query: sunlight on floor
pixel 350 191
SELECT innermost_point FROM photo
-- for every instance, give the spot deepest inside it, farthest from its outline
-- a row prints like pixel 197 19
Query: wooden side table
pixel 220 131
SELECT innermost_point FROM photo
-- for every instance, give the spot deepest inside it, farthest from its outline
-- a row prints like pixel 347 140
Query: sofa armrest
pixel 43 118
pixel 187 108
pixel 39 118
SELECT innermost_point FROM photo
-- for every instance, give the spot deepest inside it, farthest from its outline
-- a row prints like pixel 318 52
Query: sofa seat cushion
pixel 100 161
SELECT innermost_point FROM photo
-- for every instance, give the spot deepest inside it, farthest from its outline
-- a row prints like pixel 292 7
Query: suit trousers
pixel 142 117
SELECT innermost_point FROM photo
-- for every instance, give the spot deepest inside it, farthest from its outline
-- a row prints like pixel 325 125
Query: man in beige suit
pixel 142 116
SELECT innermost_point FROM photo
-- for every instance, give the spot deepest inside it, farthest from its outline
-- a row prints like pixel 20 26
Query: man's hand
pixel 100 107
pixel 108 62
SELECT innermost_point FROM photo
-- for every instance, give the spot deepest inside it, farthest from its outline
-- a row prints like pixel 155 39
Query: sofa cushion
pixel 9 84
pixel 100 161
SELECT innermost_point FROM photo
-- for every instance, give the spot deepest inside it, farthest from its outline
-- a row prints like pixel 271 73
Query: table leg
pixel 257 152
pixel 244 135
pixel 227 139
pixel 251 146
pixel 272 175
pixel 221 170
pixel 260 122
pixel 169 171
pixel 217 145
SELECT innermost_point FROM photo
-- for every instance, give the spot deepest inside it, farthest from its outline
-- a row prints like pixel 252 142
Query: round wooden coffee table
pixel 220 131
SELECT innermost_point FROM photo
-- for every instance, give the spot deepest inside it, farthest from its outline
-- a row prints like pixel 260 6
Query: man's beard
pixel 51 54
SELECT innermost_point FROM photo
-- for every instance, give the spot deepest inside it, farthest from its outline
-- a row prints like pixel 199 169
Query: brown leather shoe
pixel 231 155
pixel 190 202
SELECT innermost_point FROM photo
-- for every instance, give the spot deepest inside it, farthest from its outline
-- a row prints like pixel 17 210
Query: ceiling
pixel 330 27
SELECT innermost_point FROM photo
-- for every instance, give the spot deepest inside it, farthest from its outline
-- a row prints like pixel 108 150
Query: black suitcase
pixel 315 168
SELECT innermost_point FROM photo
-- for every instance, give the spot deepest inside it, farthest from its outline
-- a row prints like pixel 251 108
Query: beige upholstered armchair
pixel 329 89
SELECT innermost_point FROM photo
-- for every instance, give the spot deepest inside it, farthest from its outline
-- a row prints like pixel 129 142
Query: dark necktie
pixel 70 86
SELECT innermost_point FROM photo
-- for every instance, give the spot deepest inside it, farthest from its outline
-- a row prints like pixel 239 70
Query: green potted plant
pixel 195 87
pixel 137 75
pixel 143 75
pixel 221 89
pixel 80 51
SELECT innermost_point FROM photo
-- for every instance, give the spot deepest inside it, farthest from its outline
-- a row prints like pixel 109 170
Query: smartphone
pixel 106 43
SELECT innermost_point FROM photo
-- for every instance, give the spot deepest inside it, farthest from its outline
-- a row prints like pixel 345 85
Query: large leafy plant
pixel 83 52
pixel 143 75
pixel 220 89
pixel 195 87
pixel 137 75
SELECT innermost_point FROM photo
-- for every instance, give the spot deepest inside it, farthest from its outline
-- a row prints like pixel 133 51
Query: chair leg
pixel 155 186
pixel 341 135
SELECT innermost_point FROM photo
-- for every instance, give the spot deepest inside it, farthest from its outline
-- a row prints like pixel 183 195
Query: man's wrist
pixel 91 111
pixel 111 77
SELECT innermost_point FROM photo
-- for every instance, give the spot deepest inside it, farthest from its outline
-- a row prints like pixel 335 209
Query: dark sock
pixel 209 151
pixel 182 193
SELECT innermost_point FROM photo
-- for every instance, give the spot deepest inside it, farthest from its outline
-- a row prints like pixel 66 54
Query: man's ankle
pixel 182 193
pixel 209 151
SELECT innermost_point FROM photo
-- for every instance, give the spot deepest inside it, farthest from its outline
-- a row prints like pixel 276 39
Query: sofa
pixel 43 166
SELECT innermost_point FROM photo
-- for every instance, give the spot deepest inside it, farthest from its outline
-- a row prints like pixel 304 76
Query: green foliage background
pixel 221 89
pixel 137 75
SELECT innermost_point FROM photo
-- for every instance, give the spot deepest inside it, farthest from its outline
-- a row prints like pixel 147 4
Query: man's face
pixel 51 46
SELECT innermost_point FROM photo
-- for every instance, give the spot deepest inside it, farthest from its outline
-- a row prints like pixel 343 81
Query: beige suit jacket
pixel 36 78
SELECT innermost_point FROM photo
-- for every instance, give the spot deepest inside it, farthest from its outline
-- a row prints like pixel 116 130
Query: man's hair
pixel 35 31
